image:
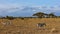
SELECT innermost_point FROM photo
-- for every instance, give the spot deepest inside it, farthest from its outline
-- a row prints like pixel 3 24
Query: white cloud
pixel 49 8
pixel 9 8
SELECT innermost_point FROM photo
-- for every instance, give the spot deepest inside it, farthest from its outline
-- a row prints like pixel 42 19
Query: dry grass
pixel 29 26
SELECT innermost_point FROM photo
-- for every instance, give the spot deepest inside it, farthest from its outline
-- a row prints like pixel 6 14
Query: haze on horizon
pixel 28 7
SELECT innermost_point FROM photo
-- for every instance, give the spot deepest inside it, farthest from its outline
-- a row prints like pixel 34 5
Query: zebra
pixel 41 24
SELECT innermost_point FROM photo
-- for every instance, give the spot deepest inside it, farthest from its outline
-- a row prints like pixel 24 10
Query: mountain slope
pixel 26 11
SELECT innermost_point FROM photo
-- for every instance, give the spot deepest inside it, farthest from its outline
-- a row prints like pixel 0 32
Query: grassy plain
pixel 29 26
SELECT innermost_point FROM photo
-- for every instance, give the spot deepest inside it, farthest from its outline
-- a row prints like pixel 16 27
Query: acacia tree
pixel 40 14
pixel 51 15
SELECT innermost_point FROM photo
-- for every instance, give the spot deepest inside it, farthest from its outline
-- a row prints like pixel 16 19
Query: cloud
pixel 7 9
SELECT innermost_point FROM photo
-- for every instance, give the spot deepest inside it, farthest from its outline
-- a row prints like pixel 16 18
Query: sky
pixel 8 6
pixel 31 2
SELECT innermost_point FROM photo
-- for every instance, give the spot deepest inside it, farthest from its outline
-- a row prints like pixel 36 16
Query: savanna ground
pixel 29 26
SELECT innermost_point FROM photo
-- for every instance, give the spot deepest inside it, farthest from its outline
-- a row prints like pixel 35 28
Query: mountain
pixel 26 11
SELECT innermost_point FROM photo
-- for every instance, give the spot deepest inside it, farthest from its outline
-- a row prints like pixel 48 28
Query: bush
pixel 10 17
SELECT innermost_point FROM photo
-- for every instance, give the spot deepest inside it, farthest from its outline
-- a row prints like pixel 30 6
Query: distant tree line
pixel 36 15
pixel 8 17
pixel 44 15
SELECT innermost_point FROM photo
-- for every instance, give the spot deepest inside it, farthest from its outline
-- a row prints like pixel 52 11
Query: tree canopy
pixel 43 15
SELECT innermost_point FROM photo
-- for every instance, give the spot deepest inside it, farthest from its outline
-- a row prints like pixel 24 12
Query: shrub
pixel 10 17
